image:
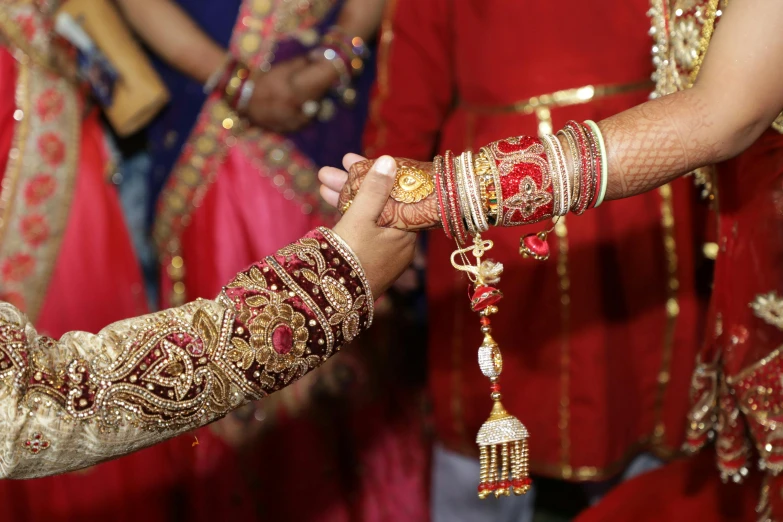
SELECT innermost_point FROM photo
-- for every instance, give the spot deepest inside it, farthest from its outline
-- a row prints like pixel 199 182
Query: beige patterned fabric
pixel 71 403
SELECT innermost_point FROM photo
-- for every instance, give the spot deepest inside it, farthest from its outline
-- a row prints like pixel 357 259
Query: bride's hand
pixel 384 253
pixel 340 187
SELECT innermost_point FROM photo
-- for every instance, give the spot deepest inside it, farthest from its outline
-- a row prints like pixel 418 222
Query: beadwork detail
pixel 146 379
pixel 36 444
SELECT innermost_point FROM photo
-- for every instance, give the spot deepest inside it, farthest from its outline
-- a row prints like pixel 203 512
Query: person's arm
pixel 71 403
pixel 361 17
pixel 173 35
pixel 739 93
pixel 357 18
pixel 169 31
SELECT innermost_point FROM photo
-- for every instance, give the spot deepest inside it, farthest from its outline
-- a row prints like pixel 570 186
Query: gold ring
pixel 346 206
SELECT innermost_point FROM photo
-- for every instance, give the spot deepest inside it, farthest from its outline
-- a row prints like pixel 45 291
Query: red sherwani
pixel 599 341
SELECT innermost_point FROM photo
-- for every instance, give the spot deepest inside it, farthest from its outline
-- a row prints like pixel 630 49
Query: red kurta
pixel 598 342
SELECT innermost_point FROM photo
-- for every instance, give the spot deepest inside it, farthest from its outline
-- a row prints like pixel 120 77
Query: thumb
pixel 374 192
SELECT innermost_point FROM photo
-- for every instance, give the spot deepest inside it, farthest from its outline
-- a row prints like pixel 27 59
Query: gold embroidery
pixel 530 197
pixel 769 308
pixel 142 380
pixel 672 306
pixel 564 279
pixel 778 123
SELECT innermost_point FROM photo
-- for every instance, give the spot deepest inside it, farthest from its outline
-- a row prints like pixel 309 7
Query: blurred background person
pixel 599 361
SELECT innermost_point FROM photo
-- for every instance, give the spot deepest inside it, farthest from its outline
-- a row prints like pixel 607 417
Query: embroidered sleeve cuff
pixel 294 310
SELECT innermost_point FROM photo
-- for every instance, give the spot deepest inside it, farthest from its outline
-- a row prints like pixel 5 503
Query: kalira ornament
pixel 483 297
pixel 502 439
pixel 535 246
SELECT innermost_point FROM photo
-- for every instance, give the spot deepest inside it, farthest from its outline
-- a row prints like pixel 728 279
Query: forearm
pixel 361 17
pixel 658 141
pixel 86 398
pixel 173 35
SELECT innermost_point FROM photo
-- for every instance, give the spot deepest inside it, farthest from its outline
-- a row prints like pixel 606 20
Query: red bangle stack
pixel 595 155
pixel 440 189
pixel 454 215
pixel 587 191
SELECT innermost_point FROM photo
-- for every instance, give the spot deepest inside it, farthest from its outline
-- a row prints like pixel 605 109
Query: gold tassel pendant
pixel 502 439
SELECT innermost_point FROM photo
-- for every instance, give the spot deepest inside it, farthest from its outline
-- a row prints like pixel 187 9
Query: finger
pixel 374 192
pixel 351 158
pixel 330 196
pixel 333 178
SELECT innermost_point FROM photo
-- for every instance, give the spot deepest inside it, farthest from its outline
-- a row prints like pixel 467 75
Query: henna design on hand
pixel 406 216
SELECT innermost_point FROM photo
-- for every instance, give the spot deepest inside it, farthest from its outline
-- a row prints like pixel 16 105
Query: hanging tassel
pixel 502 439
pixel 502 432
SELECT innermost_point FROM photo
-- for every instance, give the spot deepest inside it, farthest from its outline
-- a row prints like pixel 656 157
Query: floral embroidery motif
pixel 685 43
pixel 529 198
pixel 49 105
pixel 524 178
pixel 52 149
pixel 34 229
pixel 39 189
pixel 36 444
pixel 508 160
pixel 769 308
pixel 278 338
pixel 17 267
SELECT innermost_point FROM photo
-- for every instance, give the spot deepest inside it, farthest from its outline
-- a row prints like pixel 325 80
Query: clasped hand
pixel 279 94
pixel 340 188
